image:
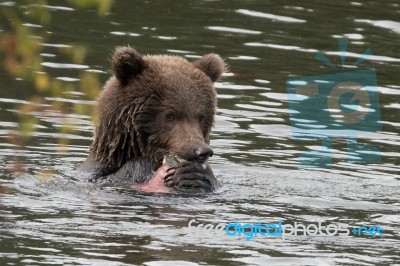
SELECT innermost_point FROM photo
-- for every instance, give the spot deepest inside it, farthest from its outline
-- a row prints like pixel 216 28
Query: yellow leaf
pixel 41 82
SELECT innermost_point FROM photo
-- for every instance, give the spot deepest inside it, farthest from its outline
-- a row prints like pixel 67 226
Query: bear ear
pixel 127 63
pixel 211 64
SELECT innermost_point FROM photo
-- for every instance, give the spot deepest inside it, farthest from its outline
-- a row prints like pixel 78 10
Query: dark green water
pixel 67 221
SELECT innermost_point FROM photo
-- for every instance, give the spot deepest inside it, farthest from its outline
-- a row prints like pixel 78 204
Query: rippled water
pixel 61 219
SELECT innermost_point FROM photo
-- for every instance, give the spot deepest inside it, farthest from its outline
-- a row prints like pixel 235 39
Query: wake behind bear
pixel 154 121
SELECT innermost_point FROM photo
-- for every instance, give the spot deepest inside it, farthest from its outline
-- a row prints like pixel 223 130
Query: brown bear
pixel 155 106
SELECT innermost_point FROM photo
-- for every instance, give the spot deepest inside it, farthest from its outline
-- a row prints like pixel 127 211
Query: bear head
pixel 156 105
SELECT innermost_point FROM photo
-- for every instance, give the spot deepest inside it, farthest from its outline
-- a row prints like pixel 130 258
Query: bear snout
pixel 199 153
pixel 202 153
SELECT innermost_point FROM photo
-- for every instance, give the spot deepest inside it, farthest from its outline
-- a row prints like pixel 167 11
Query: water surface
pixel 58 218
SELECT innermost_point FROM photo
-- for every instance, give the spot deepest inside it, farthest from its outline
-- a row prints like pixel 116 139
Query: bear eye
pixel 201 118
pixel 170 116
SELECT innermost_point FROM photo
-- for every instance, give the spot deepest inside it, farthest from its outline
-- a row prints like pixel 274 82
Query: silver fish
pixel 173 160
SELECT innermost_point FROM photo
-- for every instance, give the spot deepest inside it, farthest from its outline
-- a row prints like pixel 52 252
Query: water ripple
pixel 394 26
pixel 281 47
pixel 63 65
pixel 269 16
pixel 234 30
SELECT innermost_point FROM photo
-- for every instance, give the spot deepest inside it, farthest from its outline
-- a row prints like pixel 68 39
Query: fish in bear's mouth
pixel 156 183
pixel 175 160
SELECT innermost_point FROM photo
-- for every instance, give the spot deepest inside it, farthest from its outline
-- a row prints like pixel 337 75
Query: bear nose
pixel 202 153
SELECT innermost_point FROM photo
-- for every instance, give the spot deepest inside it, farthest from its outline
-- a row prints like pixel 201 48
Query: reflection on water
pixel 50 215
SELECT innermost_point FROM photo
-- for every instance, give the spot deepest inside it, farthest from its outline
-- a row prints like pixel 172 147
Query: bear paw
pixel 188 177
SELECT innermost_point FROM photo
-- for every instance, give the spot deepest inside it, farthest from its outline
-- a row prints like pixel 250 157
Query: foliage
pixel 24 31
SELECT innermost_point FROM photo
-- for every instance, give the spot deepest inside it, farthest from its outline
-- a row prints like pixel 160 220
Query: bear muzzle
pixel 202 154
pixel 197 153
